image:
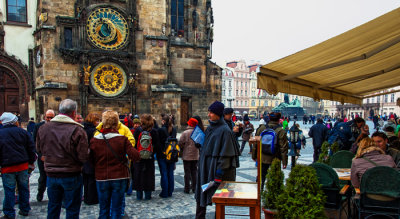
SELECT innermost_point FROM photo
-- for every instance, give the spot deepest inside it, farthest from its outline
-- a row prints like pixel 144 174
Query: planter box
pixel 269 213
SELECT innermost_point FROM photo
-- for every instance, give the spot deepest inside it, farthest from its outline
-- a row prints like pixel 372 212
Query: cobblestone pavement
pixel 179 206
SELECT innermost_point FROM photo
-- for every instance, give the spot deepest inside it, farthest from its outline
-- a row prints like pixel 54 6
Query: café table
pixel 244 194
pixel 344 174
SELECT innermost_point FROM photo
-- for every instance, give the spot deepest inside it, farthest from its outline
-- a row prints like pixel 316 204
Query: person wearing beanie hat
pixel 218 160
pixel 192 122
pixel 237 129
pixel 248 130
pixel 17 146
pixel 190 156
pixel 217 108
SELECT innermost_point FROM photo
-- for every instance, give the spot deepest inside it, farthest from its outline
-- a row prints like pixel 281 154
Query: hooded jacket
pixel 188 149
pixel 106 165
pixel 122 129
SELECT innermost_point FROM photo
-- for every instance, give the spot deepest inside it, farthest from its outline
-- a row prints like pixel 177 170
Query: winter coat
pixel 90 129
pixel 107 166
pixel 395 154
pixel 30 127
pixel 346 133
pixel 219 158
pixel 64 144
pixel 282 147
pixel 16 146
pixel 163 136
pixel 248 129
pixel 188 149
pixel 360 165
pixel 319 133
pixel 122 129
pixel 144 170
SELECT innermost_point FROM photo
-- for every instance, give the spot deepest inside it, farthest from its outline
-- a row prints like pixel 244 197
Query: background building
pixel 129 56
pixel 17 23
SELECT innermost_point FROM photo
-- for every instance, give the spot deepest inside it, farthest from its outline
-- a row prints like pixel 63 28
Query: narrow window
pixel 177 17
pixel 68 37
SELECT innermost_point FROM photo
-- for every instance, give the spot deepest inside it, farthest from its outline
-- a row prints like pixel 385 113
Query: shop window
pixel 16 11
pixel 177 17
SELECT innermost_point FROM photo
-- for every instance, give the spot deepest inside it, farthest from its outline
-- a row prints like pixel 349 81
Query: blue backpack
pixel 269 141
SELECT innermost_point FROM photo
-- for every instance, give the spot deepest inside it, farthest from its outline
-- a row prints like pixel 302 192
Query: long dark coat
pixel 144 170
pixel 219 152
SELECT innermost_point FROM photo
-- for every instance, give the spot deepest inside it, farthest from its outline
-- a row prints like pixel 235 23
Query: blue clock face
pixel 107 29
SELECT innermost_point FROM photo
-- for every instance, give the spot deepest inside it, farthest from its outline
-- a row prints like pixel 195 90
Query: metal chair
pixel 341 159
pixel 380 193
pixel 336 196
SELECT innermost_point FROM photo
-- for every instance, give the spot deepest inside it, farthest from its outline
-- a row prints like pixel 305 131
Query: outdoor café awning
pixel 345 68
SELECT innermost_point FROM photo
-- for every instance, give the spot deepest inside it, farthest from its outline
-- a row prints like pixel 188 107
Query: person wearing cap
pixel 282 146
pixel 64 146
pixel 219 158
pixel 190 156
pixel 247 132
pixel 391 122
pixel 49 115
pixel 17 153
pixel 237 130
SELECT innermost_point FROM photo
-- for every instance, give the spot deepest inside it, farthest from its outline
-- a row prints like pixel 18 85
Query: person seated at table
pixel 368 156
pixel 381 140
pixel 364 134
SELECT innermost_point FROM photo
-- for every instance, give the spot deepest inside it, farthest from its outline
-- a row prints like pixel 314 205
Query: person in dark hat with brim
pixel 219 158
pixel 237 130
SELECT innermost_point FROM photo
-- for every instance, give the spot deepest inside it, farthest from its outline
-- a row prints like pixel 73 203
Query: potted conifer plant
pixel 324 155
pixel 302 196
pixel 273 187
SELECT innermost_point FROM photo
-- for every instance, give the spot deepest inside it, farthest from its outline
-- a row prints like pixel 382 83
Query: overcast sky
pixel 267 30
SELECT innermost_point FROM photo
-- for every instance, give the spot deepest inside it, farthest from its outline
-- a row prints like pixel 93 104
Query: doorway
pixel 186 110
pixel 9 92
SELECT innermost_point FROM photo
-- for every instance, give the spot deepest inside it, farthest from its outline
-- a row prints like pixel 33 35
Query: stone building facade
pixel 140 56
pixel 17 22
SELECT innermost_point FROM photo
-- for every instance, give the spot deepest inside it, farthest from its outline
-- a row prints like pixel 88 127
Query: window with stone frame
pixel 177 17
pixel 68 37
pixel 16 11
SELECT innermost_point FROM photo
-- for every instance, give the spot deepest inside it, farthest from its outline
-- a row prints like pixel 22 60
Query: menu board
pixel 237 190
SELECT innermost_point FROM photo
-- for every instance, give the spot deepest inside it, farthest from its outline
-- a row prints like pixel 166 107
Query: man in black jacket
pixel 319 133
pixel 17 155
pixel 219 158
pixel 237 130
pixel 42 174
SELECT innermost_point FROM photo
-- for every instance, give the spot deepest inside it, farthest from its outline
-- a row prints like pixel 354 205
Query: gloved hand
pixel 212 186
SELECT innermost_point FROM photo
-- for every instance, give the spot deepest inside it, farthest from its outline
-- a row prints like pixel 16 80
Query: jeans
pixel 167 177
pixel 139 195
pixel 111 195
pixel 243 145
pixel 67 190
pixel 10 180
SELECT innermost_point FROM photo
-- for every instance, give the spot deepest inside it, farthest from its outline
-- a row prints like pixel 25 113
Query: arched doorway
pixel 15 86
pixel 9 92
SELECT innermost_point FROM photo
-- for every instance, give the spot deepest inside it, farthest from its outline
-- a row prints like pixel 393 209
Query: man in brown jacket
pixel 282 146
pixel 64 147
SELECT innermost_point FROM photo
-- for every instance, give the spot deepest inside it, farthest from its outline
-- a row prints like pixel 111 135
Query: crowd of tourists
pixel 103 158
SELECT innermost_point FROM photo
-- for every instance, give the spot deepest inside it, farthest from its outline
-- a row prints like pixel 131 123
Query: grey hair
pixel 68 106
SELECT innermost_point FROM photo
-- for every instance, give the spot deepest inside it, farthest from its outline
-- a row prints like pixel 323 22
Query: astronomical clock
pixel 107 30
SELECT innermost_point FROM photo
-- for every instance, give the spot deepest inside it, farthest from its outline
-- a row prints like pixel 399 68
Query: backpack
pixel 171 150
pixel 269 141
pixel 145 146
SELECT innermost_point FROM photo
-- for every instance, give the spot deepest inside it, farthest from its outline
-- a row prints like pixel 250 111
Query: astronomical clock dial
pixel 108 79
pixel 107 29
